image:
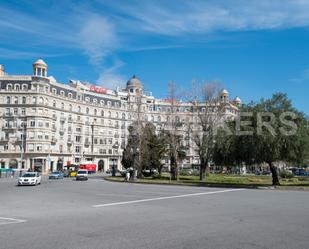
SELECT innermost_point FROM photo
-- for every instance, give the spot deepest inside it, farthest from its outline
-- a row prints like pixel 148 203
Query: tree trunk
pixel 274 174
pixel 203 167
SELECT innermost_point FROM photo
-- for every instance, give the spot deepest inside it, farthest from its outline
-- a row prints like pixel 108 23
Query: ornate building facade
pixel 46 125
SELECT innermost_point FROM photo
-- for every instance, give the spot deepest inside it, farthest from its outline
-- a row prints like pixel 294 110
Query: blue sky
pixel 253 48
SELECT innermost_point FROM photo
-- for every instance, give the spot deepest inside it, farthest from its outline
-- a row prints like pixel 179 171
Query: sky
pixel 253 48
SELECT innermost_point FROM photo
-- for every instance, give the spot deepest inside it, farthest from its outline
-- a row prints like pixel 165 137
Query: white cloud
pixel 97 37
pixel 111 80
pixel 304 77
pixel 174 18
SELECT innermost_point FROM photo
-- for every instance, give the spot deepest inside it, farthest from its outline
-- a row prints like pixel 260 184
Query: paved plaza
pixel 97 214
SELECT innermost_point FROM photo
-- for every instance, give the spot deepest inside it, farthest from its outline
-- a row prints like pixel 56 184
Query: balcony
pixel 53 140
pixel 70 120
pixel 87 143
pixel 62 119
pixel 69 142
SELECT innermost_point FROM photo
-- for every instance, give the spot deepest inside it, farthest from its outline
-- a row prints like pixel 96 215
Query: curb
pixel 210 185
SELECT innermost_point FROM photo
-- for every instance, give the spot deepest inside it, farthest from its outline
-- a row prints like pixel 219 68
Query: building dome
pixel 40 62
pixel 224 92
pixel 237 100
pixel 40 68
pixel 134 82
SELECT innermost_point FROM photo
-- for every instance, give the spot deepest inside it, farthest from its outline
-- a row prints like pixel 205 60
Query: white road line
pixel 7 221
pixel 164 198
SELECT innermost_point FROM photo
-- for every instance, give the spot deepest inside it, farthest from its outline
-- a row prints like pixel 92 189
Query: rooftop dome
pixel 134 82
pixel 40 62
pixel 224 91
pixel 237 100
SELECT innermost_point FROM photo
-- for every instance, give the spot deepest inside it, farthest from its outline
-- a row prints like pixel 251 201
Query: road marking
pixel 164 198
pixel 7 221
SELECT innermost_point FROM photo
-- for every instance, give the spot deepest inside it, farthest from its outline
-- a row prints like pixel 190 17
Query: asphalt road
pixel 96 214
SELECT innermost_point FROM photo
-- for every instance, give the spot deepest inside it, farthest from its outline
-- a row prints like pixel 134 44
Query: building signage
pixel 97 89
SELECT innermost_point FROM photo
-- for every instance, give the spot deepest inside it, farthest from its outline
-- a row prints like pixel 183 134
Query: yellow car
pixel 73 173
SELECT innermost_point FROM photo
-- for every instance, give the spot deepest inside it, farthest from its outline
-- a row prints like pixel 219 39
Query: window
pixel 95 112
pixel 15 111
pixel 102 102
pixel 54 103
pixel 62 105
pixel 15 100
pixel 102 113
pixel 23 111
pixel 78 109
pixel 78 139
pixel 70 107
pixel 17 87
pixel 39 147
pixel 54 91
pixel 70 95
pixel 8 100
pixel 32 123
pixel 95 101
pixel 62 93
pixel 9 87
pixel 77 149
pixel 24 87
pixel 87 110
pixel 24 100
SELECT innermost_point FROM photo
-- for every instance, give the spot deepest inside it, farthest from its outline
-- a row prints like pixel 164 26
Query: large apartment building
pixel 46 125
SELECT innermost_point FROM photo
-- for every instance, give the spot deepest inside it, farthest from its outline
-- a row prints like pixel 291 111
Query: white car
pixel 29 178
pixel 82 174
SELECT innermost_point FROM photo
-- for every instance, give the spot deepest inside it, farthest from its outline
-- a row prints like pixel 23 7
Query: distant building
pixel 46 125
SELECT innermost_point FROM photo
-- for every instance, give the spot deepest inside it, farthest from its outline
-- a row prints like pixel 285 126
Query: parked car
pixel 73 174
pixel 55 175
pixel 82 174
pixel 29 178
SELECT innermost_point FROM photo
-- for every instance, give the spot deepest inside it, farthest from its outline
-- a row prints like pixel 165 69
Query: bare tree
pixel 172 129
pixel 208 113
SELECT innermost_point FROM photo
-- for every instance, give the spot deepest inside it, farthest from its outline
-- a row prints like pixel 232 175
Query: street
pixel 95 214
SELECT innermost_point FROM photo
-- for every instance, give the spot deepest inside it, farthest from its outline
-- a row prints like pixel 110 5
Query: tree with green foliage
pixel 153 148
pixel 266 132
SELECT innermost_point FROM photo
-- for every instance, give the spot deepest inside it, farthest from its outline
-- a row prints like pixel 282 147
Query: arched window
pixel 24 87
pixel 33 100
pixel 54 91
pixel 9 87
pixel 70 95
pixel 17 87
pixel 24 100
pixel 41 100
pixel 123 115
pixel 8 100
pixel 102 102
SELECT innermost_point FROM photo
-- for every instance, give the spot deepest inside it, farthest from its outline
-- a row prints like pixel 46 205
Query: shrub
pixel 286 174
